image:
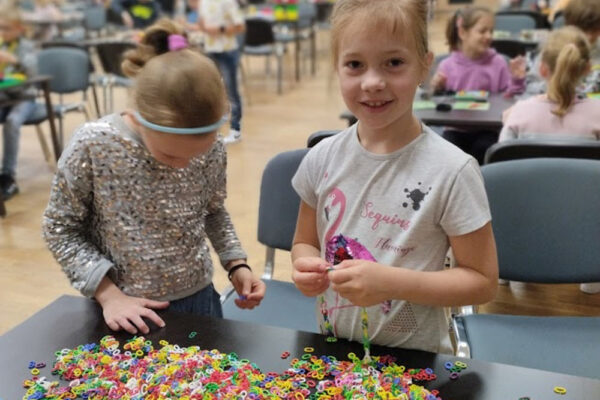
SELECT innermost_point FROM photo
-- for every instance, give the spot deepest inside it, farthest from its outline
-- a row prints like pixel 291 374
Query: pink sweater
pixel 489 72
pixel 533 117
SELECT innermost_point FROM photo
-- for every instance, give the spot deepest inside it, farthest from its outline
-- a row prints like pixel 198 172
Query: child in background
pixel 137 14
pixel 565 60
pixel 395 186
pixel 17 55
pixel 585 15
pixel 138 194
pixel 473 65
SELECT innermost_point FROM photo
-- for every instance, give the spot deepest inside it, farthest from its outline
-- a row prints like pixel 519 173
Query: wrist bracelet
pixel 235 268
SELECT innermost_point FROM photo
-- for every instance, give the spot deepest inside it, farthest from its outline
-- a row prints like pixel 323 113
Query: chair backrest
pixel 94 18
pixel 509 47
pixel 68 67
pixel 259 32
pixel 111 56
pixel 279 202
pixel 546 218
pixel 536 148
pixel 69 43
pixel 514 22
pixel 317 136
pixel 559 21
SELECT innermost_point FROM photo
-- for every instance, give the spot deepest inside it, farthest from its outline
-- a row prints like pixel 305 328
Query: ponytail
pixel 452 37
pixel 567 54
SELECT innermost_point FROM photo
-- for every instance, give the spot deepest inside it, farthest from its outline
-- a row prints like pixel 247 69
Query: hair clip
pixel 177 42
pixel 180 131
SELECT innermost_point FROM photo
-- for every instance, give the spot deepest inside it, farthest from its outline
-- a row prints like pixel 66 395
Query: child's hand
pixel 359 281
pixel 126 312
pixel 310 275
pixel 438 82
pixel 518 67
pixel 6 57
pixel 250 289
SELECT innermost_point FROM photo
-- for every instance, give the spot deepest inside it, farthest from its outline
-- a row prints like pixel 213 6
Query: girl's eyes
pixel 353 64
pixel 395 62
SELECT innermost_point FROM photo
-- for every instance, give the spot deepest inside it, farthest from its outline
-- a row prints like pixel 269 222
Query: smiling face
pixel 476 40
pixel 379 72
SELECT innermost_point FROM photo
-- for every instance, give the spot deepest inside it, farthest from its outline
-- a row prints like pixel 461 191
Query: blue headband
pixel 181 131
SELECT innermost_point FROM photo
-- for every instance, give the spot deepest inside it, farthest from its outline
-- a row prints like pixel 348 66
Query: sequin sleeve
pixel 67 218
pixel 219 227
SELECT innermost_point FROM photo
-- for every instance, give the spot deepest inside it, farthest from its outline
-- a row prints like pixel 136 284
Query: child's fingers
pixel 113 325
pixel 340 276
pixel 313 266
pixel 141 325
pixel 152 316
pixel 126 325
pixel 155 304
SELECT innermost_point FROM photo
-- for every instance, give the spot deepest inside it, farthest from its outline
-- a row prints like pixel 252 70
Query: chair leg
pixel 43 144
pixel 95 97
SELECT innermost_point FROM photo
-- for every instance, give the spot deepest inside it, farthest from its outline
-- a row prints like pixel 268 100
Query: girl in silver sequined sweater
pixel 138 194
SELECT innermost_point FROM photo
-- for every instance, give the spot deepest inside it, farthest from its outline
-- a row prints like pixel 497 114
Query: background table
pixel 70 321
pixel 490 119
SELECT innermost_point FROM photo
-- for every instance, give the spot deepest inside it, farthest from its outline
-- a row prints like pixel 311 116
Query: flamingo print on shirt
pixel 339 248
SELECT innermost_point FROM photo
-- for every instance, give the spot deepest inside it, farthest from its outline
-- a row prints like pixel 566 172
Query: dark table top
pixel 70 321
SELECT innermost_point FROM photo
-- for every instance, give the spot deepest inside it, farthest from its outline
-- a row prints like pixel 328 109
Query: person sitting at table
pixel 137 14
pixel 559 113
pixel 474 65
pixel 17 55
pixel 138 194
pixel 394 189
pixel 585 15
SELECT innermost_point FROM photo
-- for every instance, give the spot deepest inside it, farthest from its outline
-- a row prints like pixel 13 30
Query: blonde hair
pixel 397 16
pixel 567 55
pixel 584 14
pixel 465 18
pixel 181 88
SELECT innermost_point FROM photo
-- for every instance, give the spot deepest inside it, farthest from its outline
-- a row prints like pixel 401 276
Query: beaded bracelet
pixel 235 268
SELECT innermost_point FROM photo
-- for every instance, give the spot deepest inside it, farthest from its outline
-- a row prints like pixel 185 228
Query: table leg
pixel 50 110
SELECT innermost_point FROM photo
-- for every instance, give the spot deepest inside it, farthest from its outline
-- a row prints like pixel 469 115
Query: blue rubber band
pixel 181 131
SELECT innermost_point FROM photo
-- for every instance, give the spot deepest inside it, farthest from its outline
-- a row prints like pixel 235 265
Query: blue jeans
pixel 13 117
pixel 204 302
pixel 228 63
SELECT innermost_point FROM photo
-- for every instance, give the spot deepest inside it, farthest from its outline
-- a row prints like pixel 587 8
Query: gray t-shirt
pixel 402 207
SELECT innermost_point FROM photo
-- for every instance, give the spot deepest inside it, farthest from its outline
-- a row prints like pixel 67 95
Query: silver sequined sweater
pixel 115 209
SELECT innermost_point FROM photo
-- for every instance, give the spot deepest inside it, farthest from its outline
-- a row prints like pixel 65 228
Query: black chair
pixel 284 305
pixel 110 55
pixel 510 47
pixel 536 148
pixel 259 40
pixel 317 136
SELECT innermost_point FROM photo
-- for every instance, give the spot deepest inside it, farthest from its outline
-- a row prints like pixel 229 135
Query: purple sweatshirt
pixel 489 72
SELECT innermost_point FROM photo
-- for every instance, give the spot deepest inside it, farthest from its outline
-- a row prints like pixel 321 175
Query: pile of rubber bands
pixel 102 371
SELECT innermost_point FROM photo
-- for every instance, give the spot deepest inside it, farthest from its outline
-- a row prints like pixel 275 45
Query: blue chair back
pixel 279 202
pixel 546 218
pixel 514 23
pixel 68 67
pixel 94 18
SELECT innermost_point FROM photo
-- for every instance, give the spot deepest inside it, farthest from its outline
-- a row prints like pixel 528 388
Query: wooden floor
pixel 30 278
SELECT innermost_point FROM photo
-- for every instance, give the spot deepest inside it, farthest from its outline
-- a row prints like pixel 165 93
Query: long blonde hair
pixel 567 56
pixel 181 88
pixel 397 16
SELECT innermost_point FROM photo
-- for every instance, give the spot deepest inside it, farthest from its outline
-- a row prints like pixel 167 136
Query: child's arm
pixel 473 281
pixel 309 269
pixel 221 233
pixel 512 75
pixel 65 229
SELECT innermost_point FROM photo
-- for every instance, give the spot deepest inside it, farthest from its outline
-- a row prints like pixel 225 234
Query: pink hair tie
pixel 177 42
